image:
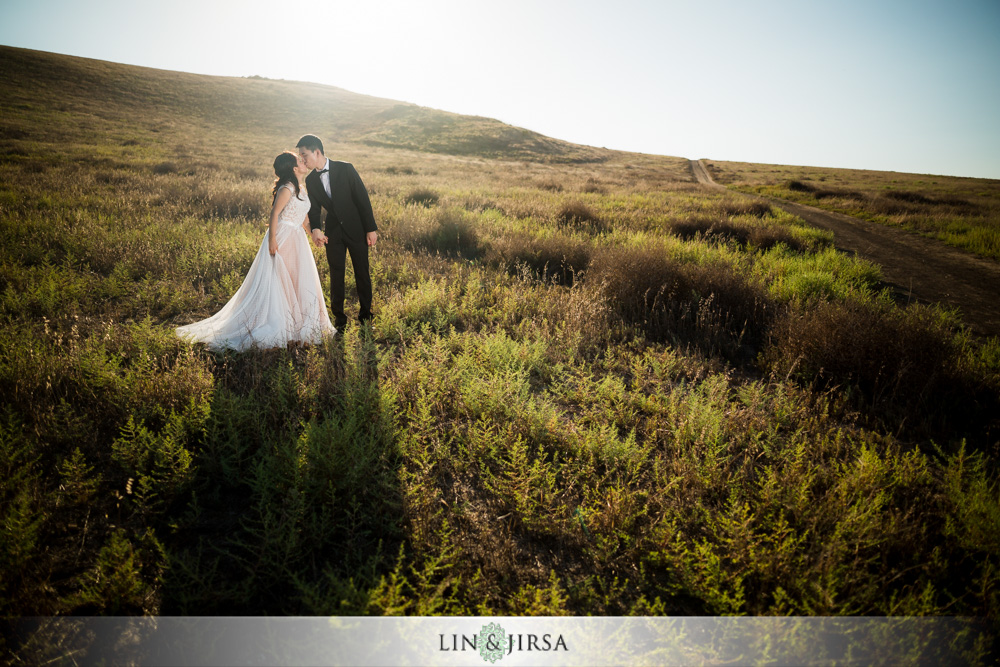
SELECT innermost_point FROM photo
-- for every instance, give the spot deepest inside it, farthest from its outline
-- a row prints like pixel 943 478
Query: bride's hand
pixel 272 246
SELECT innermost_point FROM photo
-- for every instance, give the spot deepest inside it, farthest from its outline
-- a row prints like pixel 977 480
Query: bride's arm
pixel 279 203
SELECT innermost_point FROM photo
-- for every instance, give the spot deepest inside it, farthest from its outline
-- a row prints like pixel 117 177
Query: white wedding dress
pixel 280 300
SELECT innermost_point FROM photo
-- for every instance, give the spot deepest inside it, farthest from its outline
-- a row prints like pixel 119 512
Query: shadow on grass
pixel 302 517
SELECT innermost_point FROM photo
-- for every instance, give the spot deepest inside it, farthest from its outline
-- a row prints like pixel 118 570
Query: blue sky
pixel 904 86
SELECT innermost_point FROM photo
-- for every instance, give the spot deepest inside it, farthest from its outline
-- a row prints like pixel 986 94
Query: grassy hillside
pixel 592 386
pixel 45 93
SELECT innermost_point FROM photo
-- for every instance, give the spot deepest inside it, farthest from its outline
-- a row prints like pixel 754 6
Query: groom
pixel 350 224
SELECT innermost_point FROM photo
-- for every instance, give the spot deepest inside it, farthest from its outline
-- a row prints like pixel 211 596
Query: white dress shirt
pixel 325 178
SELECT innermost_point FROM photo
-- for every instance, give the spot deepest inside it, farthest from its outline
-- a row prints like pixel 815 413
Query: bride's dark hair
pixel 284 169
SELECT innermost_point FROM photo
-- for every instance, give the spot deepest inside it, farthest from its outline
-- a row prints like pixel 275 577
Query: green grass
pixel 591 388
pixel 962 212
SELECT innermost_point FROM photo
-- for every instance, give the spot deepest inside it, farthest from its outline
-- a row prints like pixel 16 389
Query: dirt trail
pixel 915 267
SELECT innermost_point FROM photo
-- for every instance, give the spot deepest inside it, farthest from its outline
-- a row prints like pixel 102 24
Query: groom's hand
pixel 319 238
pixel 372 238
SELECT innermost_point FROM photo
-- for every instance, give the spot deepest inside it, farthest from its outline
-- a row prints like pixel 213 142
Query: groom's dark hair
pixel 311 142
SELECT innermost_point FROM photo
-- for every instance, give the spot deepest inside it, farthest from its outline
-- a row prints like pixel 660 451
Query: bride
pixel 281 299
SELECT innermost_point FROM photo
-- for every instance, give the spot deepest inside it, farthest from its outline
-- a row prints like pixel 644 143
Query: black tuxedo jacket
pixel 348 205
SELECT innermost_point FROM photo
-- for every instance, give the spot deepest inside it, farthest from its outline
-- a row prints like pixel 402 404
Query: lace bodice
pixel 296 209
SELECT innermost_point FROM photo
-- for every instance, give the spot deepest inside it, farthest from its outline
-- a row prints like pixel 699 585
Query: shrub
pixel 899 364
pixel 808 188
pixel 761 234
pixel 166 168
pixel 119 582
pixel 880 350
pixel 911 197
pixel 21 519
pixel 423 197
pixel 842 194
pixel 213 166
pixel 957 202
pixel 455 234
pixel 900 201
pixel 707 306
pixel 579 214
pixel 450 232
pixel 555 257
pixel 758 209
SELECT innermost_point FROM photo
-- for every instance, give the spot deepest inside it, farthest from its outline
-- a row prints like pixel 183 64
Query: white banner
pixel 500 641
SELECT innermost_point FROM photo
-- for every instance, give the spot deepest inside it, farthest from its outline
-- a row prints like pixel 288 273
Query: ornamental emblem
pixel 492 642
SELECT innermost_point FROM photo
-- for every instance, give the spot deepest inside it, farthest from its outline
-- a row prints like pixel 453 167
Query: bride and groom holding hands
pixel 281 298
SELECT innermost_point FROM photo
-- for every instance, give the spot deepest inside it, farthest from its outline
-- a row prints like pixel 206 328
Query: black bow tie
pixel 322 171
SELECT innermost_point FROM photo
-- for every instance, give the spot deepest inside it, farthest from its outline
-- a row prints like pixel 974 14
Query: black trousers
pixel 336 250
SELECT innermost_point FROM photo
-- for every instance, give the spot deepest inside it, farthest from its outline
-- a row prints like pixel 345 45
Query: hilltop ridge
pixel 100 91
